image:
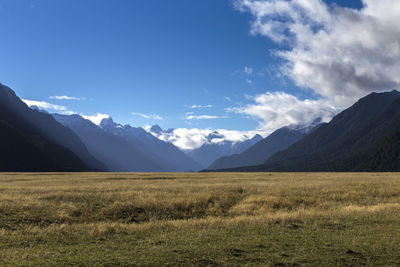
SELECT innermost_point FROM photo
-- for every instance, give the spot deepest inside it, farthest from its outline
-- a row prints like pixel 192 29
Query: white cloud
pixel 47 106
pixel 341 54
pixel 195 138
pixel 248 70
pixel 278 109
pixel 64 97
pixel 96 119
pixel 249 81
pixel 189 116
pixel 148 116
pixel 237 136
pixel 200 106
pixel 186 138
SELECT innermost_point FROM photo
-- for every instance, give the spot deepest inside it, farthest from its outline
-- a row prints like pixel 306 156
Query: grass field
pixel 206 219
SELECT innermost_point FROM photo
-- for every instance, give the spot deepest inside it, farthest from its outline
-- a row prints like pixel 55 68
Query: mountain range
pixel 209 152
pixel 125 148
pixel 215 146
pixel 259 152
pixel 364 137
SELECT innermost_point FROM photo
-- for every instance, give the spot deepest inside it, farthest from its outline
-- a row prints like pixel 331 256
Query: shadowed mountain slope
pixel 164 153
pixel 214 145
pixel 34 141
pixel 209 152
pixel 117 153
pixel 261 151
pixel 361 138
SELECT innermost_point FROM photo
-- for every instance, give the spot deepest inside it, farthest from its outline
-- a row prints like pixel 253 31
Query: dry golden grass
pixel 45 217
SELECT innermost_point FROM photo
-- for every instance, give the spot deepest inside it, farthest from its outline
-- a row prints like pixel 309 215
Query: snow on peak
pixel 98 118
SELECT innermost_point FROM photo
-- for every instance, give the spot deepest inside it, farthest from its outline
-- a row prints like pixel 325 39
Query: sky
pixel 240 65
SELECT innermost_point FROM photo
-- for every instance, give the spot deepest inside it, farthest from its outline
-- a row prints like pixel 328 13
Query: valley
pixel 200 133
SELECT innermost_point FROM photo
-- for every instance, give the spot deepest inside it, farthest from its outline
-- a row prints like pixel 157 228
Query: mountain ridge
pixel 165 153
pixel 346 143
pixel 126 148
pixel 262 150
pixel 28 131
pixel 116 153
pixel 215 145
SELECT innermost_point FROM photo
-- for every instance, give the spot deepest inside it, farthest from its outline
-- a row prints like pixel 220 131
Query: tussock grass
pixel 208 219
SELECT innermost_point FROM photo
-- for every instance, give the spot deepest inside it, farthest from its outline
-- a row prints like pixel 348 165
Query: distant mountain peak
pixel 306 127
pixel 107 122
pixel 74 120
pixel 34 107
pixel 257 137
pixel 156 129
pixel 215 135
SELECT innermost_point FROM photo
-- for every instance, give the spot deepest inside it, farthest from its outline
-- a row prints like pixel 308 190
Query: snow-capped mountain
pixel 161 151
pixel 115 152
pixel 205 146
pixel 260 152
pixel 127 148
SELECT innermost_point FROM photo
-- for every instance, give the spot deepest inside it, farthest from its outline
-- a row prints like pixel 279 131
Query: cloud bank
pixel 194 138
pixel 275 110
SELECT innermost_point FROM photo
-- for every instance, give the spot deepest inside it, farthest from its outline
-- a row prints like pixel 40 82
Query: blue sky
pixel 144 58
